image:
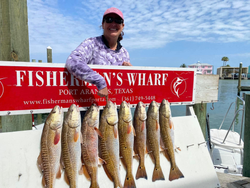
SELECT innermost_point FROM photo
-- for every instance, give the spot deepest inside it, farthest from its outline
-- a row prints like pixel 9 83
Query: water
pixel 227 93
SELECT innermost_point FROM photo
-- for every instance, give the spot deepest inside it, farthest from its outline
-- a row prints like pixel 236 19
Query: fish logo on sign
pixel 1 87
pixel 178 86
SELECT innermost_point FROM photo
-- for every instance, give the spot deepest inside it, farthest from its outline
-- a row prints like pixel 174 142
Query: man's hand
pixel 126 64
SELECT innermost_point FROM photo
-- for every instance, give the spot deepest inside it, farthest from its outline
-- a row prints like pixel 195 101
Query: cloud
pixel 148 23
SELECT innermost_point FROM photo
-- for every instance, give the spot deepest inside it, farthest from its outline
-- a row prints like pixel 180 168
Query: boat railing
pixel 235 115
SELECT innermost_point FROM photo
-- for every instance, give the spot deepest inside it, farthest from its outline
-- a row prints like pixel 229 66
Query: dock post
pixel 49 54
pixel 246 161
pixel 200 110
pixel 14 46
pixel 239 79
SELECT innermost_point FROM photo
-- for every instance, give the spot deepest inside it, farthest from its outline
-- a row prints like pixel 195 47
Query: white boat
pixel 226 146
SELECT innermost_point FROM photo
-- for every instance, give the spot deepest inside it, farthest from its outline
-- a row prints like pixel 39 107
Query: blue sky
pixel 158 33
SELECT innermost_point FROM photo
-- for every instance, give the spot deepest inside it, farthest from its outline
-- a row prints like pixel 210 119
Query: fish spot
pixel 127 178
pixel 172 168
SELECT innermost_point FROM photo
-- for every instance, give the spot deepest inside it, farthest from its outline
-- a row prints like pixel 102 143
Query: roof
pixel 199 64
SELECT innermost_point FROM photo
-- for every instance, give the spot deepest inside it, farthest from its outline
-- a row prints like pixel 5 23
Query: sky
pixel 158 33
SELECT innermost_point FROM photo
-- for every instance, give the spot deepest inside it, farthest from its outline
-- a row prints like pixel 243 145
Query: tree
pixel 224 59
pixel 183 65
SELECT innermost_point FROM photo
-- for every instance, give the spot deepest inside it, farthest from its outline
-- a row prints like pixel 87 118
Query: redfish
pixel 126 141
pixel 109 143
pixel 71 146
pixel 153 139
pixel 49 158
pixel 166 130
pixel 90 134
pixel 139 123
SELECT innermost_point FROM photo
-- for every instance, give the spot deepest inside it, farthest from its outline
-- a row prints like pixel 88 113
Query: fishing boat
pixel 226 145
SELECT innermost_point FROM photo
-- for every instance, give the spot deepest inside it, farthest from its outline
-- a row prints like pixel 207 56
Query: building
pixel 231 72
pixel 202 68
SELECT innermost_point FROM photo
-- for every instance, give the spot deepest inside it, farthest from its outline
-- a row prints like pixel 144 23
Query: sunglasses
pixel 110 20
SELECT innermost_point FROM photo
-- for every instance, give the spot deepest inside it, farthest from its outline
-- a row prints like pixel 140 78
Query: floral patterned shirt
pixel 94 51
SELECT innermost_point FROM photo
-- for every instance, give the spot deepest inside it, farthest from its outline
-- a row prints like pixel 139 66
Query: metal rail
pixel 243 110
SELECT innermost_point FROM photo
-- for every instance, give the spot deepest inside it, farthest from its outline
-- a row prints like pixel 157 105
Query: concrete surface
pixel 233 181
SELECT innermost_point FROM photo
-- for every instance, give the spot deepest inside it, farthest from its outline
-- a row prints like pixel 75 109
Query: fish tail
pixel 129 181
pixel 141 172
pixel 158 174
pixel 175 173
pixel 117 184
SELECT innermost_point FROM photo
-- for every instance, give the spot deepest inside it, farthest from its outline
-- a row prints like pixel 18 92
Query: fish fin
pixel 76 135
pixel 175 173
pixel 157 125
pixel 85 172
pixel 158 174
pixel 165 153
pixel 40 162
pixel 98 132
pixel 177 148
pixel 129 128
pixel 59 173
pixel 62 162
pixel 115 132
pixel 81 141
pixel 161 143
pixel 141 172
pixel 57 137
pixel 171 125
pixel 129 181
pixel 142 126
pixel 107 173
pixel 66 178
pixel 133 130
pixel 80 172
pixel 136 156
pixel 150 153
pixel 43 182
pixel 101 161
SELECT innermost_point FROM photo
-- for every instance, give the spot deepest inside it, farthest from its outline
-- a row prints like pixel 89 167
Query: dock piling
pixel 246 161
pixel 14 46
pixel 239 79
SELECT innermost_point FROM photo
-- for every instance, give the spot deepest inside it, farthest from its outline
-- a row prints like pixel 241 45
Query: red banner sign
pixel 36 88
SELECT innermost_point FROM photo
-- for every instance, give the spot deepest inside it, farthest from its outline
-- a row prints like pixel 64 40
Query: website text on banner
pixel 31 86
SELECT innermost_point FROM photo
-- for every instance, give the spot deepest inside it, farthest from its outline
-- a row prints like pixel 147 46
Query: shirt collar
pixel 118 47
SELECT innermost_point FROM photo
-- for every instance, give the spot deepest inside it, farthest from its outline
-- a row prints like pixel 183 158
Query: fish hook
pixel 212 108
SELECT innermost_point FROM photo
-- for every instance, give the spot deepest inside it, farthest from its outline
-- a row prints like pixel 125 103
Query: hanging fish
pixel 49 158
pixel 126 141
pixel 109 143
pixel 90 134
pixel 71 146
pixel 167 136
pixel 139 123
pixel 153 139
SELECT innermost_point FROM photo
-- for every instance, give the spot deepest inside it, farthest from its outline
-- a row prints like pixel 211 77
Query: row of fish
pixel 119 136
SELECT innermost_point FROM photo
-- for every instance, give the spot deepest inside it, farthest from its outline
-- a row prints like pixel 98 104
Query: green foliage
pixel 183 65
pixel 224 59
